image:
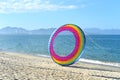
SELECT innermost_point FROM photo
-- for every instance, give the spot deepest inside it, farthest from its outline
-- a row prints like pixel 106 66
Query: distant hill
pixel 13 30
pixel 16 30
pixel 90 31
pixel 42 31
pixel 96 31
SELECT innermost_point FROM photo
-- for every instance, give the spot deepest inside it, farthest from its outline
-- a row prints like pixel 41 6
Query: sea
pixel 99 49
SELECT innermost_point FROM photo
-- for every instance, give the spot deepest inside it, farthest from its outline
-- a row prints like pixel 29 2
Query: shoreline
pixel 97 62
pixel 28 67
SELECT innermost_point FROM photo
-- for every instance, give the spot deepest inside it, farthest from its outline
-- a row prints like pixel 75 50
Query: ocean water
pixel 104 48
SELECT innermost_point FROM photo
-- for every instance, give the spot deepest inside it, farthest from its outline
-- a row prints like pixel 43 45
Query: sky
pixel 36 14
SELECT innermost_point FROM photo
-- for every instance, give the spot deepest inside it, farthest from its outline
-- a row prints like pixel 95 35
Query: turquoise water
pixel 104 48
pixel 29 44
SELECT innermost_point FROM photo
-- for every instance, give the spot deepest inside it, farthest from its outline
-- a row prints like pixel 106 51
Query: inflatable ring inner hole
pixel 64 43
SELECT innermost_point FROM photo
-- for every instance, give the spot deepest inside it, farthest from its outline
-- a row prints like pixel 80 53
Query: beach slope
pixel 26 67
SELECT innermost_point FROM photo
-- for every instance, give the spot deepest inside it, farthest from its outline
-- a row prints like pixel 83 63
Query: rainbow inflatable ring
pixel 75 55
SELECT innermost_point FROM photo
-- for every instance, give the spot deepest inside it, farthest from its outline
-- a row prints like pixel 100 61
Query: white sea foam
pixel 41 55
pixel 91 61
pixel 100 62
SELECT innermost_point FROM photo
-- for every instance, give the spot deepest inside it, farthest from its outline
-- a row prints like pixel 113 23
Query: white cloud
pixel 10 6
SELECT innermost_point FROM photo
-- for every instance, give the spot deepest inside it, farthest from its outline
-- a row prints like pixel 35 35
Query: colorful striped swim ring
pixel 75 55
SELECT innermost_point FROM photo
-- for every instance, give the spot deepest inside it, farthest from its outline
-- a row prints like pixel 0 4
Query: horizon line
pixel 56 28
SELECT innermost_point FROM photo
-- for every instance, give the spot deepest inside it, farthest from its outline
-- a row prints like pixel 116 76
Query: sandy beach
pixel 15 66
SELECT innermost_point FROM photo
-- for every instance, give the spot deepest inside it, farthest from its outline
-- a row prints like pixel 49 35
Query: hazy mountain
pixel 102 31
pixel 90 31
pixel 13 30
pixel 42 31
pixel 16 30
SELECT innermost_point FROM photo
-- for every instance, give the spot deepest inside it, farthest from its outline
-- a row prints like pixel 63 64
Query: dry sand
pixel 25 67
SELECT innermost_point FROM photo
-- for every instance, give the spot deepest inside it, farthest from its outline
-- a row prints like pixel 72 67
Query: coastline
pixel 112 64
pixel 28 67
